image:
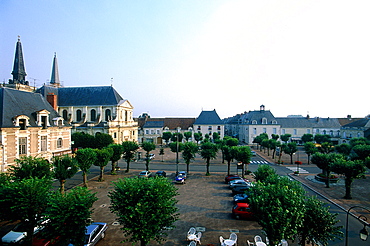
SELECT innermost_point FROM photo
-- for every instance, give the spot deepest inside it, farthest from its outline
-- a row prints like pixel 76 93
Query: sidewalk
pixel 360 187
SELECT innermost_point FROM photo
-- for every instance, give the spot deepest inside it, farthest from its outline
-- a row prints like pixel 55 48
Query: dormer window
pixel 274 122
pixel 58 121
pixel 43 118
pixel 254 122
pixel 264 121
pixel 22 121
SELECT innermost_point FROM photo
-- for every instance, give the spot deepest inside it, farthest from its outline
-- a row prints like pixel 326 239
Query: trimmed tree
pixel 117 154
pixel 351 170
pixel 208 151
pixel 31 167
pixel 198 137
pixel 188 153
pixel 102 140
pixel 166 136
pixel 65 167
pixel 102 158
pixel 323 162
pixel 309 149
pixel 188 135
pixel 147 146
pixel 243 154
pixel 70 213
pixel 149 209
pixel 85 159
pixel 290 149
pixel 129 149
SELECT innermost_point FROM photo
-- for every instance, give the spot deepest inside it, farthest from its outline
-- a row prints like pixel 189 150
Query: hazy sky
pixel 175 58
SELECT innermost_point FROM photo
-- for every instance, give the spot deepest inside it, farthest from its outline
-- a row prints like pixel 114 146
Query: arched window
pixel 93 115
pixel 65 114
pixel 264 121
pixel 125 115
pixel 78 115
pixel 254 122
pixel 108 115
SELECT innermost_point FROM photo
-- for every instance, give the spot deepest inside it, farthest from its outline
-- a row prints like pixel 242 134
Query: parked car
pixel 240 198
pixel 144 174
pixel 253 153
pixel 238 180
pixel 161 174
pixel 94 233
pixel 241 189
pixel 184 174
pixel 40 240
pixel 228 178
pixel 18 233
pixel 180 179
pixel 242 211
pixel 239 183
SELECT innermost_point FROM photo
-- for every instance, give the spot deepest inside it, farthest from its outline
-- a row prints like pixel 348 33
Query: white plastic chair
pixel 192 243
pixel 249 243
pixel 191 234
pixel 233 237
pixel 222 241
pixel 258 238
pixel 284 242
pixel 197 239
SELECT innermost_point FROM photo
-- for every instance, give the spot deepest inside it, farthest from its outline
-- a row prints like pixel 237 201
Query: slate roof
pixel 257 115
pixel 303 122
pixel 83 96
pixel 365 122
pixel 16 102
pixel 208 118
pixel 171 123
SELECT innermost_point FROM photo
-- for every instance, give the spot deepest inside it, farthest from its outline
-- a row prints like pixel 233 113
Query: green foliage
pixel 208 151
pixel 198 137
pixel 319 224
pixel 102 140
pixel 85 159
pixel 229 141
pixel 326 147
pixel 177 137
pixel 189 151
pixel 290 149
pixel 25 200
pixel 69 214
pixel 188 135
pixel 243 154
pixel 309 149
pixel 30 167
pixel 285 137
pixel 307 137
pixel 344 149
pixel 215 136
pixel 82 140
pixel 166 136
pixel 322 138
pixel 278 208
pixel 145 207
pixel 263 172
pixel 65 167
pixel 359 141
pixel 351 170
pixel 147 146
pixel 275 136
pixel 362 152
pixel 228 155
pixel 323 161
pixel 117 154
pixel 176 146
pixel 102 158
pixel 129 149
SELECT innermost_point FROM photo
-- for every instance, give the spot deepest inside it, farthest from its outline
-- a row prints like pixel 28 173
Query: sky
pixel 173 58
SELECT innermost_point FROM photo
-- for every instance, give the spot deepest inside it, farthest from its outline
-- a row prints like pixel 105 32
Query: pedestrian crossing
pixel 300 170
pixel 259 162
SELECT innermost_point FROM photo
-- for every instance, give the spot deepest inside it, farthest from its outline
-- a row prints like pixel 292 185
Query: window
pixel 199 128
pixel 65 114
pixel 218 128
pixel 93 115
pixel 146 131
pixel 44 122
pixel 78 115
pixel 264 130
pixel 59 143
pixel 23 124
pixel 295 132
pixel 151 131
pixel 108 115
pixel 43 146
pixel 115 135
pixel 274 130
pixel 209 128
pixel 254 131
pixel 308 131
pixel 125 115
pixel 283 131
pixel 22 145
pixel 274 122
pixel 158 132
pixel 264 121
pixel 254 122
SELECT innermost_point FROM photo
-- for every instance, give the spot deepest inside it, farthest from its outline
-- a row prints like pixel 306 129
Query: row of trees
pixel 198 137
pixel 283 210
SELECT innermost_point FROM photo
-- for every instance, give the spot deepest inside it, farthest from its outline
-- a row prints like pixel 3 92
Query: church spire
pixel 19 72
pixel 55 73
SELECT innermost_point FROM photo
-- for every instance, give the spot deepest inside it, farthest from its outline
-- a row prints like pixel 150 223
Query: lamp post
pixel 177 151
pixel 363 232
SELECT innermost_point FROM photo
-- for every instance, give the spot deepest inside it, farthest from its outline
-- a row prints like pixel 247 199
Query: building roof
pixel 16 102
pixel 84 96
pixel 304 122
pixel 365 123
pixel 171 123
pixel 154 124
pixel 208 118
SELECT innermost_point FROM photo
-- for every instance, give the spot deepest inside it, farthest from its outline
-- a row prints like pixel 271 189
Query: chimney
pixel 52 99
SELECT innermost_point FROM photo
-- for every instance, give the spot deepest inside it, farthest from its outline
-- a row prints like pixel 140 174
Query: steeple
pixel 19 72
pixel 54 81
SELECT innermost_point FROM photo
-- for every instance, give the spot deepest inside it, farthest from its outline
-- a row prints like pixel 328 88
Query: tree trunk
pixel 207 173
pixel 84 175
pixel 291 158
pixel 308 159
pixel 348 184
pixel 101 178
pixel 62 183
pixel 187 167
pixel 128 167
pixel 327 179
pixel 228 167
pixel 114 165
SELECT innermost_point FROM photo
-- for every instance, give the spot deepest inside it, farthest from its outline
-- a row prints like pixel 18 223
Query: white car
pixel 18 234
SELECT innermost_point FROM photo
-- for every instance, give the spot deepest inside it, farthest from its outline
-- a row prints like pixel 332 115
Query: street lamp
pixel 177 151
pixel 363 232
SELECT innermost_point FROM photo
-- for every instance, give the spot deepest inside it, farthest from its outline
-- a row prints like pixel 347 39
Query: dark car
pixel 94 233
pixel 242 211
pixel 228 178
pixel 161 174
pixel 238 198
pixel 240 189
